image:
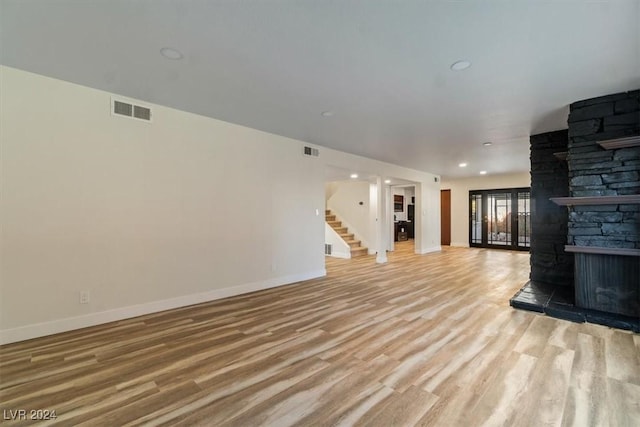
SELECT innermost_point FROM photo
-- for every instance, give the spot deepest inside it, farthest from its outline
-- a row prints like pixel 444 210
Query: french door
pixel 500 218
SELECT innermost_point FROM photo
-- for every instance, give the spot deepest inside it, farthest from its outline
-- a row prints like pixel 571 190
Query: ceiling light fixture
pixel 171 53
pixel 327 113
pixel 483 172
pixel 460 65
pixel 354 175
pixel 462 165
pixel 487 144
pixel 387 181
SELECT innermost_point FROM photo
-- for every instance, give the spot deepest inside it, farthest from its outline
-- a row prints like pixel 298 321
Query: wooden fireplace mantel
pixel 614 144
pixel 632 199
pixel 602 251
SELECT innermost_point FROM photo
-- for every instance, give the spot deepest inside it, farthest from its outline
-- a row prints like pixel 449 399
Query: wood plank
pixel 631 199
pixel 614 144
pixel 422 340
pixel 588 384
pixel 602 251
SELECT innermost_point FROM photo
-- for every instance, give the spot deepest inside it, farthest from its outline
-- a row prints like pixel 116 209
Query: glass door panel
pixel 524 219
pixel 500 218
pixel 475 203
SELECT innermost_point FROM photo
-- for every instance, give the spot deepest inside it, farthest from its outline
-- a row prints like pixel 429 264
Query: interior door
pixel 445 217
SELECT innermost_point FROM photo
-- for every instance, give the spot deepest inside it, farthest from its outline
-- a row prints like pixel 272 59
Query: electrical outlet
pixel 84 297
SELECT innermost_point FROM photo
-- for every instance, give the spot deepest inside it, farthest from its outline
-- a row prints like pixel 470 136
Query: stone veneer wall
pixel 603 282
pixel 594 171
pixel 549 178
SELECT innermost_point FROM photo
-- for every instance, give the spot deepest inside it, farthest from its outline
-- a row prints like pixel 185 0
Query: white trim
pixel 459 244
pixel 36 330
pixel 429 250
pixel 344 255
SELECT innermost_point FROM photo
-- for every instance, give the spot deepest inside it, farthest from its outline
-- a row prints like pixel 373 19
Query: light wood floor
pixel 422 340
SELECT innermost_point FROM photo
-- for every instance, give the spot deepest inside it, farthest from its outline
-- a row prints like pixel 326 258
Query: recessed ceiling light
pixel 462 165
pixel 327 113
pixel 171 53
pixel 354 175
pixel 387 181
pixel 488 143
pixel 483 172
pixel 460 65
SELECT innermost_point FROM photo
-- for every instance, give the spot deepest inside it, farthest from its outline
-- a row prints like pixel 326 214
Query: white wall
pixel 339 248
pixel 427 191
pixel 142 215
pixel 427 213
pixel 149 216
pixel 345 203
pixel 460 199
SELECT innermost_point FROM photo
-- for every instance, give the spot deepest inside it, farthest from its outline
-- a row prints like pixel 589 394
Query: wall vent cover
pixel 122 108
pixel 129 109
pixel 141 112
pixel 327 249
pixel 309 151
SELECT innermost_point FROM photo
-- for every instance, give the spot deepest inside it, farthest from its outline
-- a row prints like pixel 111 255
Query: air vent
pixel 327 249
pixel 141 112
pixel 308 151
pixel 128 109
pixel 122 108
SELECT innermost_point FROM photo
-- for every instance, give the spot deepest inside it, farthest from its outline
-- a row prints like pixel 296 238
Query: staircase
pixel 356 249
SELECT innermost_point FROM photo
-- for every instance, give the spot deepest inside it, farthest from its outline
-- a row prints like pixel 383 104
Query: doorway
pixel 500 219
pixel 445 217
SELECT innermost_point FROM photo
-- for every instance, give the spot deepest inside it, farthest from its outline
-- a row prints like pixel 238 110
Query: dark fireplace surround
pixel 585 212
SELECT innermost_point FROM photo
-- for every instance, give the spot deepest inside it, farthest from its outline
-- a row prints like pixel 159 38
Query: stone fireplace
pixel 585 242
pixel 604 207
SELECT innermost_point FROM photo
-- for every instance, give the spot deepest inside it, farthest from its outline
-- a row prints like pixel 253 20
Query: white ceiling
pixel 382 67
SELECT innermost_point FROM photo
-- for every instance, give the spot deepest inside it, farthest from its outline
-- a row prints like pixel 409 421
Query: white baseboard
pixel 428 250
pixel 345 255
pixel 36 330
pixel 460 244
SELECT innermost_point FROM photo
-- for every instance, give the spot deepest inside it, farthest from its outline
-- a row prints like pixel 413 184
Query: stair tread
pixel 343 232
pixel 360 251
